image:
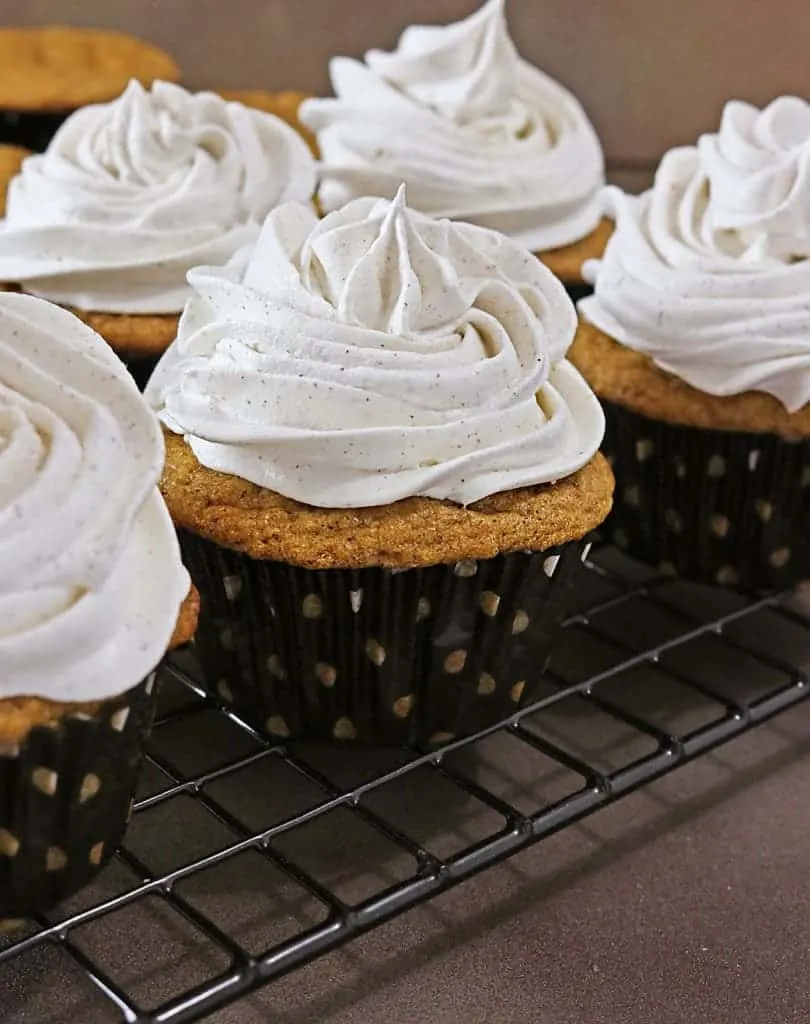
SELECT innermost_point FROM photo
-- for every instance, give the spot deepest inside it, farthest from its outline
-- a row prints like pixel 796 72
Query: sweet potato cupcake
pixel 697 340
pixel 384 471
pixel 131 195
pixel 50 71
pixel 475 132
pixel 92 593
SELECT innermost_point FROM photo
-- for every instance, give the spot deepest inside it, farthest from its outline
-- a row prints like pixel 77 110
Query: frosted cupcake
pixel 51 70
pixel 384 470
pixel 475 132
pixel 92 593
pixel 697 339
pixel 131 195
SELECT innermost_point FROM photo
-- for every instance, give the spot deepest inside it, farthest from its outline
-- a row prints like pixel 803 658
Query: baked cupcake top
pixel 708 273
pixel 129 196
pixel 476 132
pixel 92 580
pixel 378 354
pixel 59 67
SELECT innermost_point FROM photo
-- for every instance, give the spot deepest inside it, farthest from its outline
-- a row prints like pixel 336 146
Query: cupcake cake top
pixel 375 355
pixel 92 580
pixel 131 195
pixel 476 132
pixel 60 67
pixel 708 272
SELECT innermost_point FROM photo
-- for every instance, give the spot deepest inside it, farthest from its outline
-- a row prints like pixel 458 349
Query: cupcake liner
pixel 374 656
pixel 65 798
pixel 33 130
pixel 713 506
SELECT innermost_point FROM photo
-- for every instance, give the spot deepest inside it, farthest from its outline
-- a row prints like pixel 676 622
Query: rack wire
pixel 263 857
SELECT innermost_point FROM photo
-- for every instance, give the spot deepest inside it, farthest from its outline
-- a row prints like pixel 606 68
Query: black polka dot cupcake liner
pixel 33 130
pixel 714 506
pixel 141 368
pixel 373 656
pixel 65 797
pixel 578 291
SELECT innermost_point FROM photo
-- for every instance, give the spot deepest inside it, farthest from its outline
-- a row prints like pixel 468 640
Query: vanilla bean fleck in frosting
pixel 91 582
pixel 130 195
pixel 476 133
pixel 375 355
pixel 708 272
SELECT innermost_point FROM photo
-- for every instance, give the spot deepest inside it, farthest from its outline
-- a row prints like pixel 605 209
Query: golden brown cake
pixel 11 158
pixel 407 534
pixel 59 68
pixel 567 261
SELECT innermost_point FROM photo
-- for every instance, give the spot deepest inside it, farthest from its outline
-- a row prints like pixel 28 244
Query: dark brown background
pixel 652 73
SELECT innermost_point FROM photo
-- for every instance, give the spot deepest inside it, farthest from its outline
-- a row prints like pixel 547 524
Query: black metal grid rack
pixel 324 844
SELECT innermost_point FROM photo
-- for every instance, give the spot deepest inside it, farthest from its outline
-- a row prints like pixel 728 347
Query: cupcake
pixel 131 195
pixel 475 132
pixel 384 471
pixel 11 160
pixel 92 593
pixel 697 340
pixel 50 71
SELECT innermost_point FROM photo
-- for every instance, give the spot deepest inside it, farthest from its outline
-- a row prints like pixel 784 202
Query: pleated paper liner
pixel 33 130
pixel 65 798
pixel 373 656
pixel 713 506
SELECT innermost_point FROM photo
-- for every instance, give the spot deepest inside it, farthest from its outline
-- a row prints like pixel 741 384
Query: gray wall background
pixel 652 73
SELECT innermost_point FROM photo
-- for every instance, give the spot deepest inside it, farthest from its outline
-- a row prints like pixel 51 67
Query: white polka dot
pixel 753 459
pixel 344 729
pixel 716 467
pixel 727 575
pixel 550 564
pixel 91 784
pixel 644 449
pixel 520 623
pixel 632 495
pixel 455 662
pixel 55 859
pixel 96 854
pixel 441 737
pixel 780 558
pixel 312 607
pixel 516 692
pixel 466 567
pixel 763 509
pixel 719 525
pixel 356 600
pixel 680 468
pixel 118 720
pixel 45 780
pixel 486 685
pixel 274 667
pixel 422 609
pixel 12 749
pixel 276 726
pixel 375 652
pixel 9 844
pixel 224 690
pixel 403 706
pixel 674 520
pixel 327 674
pixel 233 586
pixel 489 602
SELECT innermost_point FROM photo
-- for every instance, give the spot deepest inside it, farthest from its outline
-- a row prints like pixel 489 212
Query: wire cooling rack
pixel 246 859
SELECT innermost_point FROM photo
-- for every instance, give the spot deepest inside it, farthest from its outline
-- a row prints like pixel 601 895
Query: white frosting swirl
pixel 475 132
pixel 91 580
pixel 707 272
pixel 131 195
pixel 375 355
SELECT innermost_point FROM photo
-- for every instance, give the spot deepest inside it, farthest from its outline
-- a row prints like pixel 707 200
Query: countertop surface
pixel 685 902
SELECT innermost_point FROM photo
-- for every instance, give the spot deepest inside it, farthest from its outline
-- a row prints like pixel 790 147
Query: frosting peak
pixel 375 355
pixel 130 195
pixel 92 580
pixel 707 272
pixel 476 132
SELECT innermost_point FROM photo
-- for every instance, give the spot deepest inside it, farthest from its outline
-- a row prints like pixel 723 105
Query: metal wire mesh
pixel 260 858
